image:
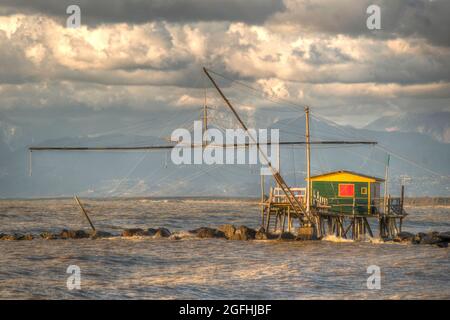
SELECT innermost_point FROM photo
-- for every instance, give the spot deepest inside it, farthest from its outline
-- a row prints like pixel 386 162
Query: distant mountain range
pixel 417 158
pixel 435 125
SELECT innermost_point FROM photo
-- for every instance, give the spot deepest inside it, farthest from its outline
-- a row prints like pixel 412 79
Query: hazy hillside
pixel 415 155
pixel 435 125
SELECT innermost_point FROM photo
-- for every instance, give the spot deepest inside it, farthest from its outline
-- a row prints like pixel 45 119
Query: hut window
pixel 363 190
pixel 346 190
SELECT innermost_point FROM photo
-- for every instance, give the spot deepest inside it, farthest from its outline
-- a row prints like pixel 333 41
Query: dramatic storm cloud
pixel 149 54
pixel 140 11
pixel 400 18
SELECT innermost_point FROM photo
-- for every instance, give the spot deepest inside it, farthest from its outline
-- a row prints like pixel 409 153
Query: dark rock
pixel 98 234
pixel 48 236
pixel 64 234
pixel 261 234
pixel 418 237
pixel 442 244
pixel 28 237
pixel 287 236
pixel 8 237
pixel 228 230
pixel 17 236
pixel 80 234
pixel 431 238
pixel 4 236
pixel 73 234
pixel 244 233
pixel 240 233
pixel 162 233
pixel 272 236
pixel 404 237
pixel 205 232
pixel 133 232
pixel 445 236
pixel 150 232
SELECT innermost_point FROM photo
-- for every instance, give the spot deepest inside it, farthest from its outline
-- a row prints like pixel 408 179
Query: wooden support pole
pixel 402 198
pixel 330 225
pixel 289 219
pixel 205 116
pixel 380 226
pixel 276 221
pixel 263 198
pixel 340 226
pixel 389 205
pixel 348 228
pixel 394 220
pixel 268 220
pixel 308 162
pixel 84 212
pixel 386 185
pixel 30 163
pixel 363 227
pixel 263 210
pixel 368 227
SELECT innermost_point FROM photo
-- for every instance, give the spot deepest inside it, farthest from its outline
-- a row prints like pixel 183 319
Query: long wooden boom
pixel 162 147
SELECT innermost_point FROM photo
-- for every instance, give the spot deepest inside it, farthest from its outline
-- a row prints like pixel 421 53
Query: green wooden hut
pixel 347 192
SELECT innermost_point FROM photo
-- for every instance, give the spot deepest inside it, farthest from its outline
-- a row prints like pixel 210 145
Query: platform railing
pixel 394 206
pixel 280 197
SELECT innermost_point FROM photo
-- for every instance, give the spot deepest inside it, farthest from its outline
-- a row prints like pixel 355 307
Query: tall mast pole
pixel 205 114
pixel 205 119
pixel 279 159
pixel 386 185
pixel 308 162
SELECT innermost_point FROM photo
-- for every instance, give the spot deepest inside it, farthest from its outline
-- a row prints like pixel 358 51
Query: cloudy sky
pixel 147 55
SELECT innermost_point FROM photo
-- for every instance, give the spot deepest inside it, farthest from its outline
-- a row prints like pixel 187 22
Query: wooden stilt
pixel 276 221
pixel 263 198
pixel 330 225
pixel 268 219
pixel 368 227
pixel 348 228
pixel 289 219
pixel 381 226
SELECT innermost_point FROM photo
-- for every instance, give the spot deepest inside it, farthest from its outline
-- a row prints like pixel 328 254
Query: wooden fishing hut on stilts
pixel 344 204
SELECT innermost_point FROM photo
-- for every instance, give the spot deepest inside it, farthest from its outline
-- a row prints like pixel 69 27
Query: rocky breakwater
pixel 440 239
pixel 64 234
pixel 227 231
pixel 243 233
pixel 151 232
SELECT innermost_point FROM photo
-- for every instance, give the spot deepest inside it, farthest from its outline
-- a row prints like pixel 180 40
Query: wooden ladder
pixel 293 201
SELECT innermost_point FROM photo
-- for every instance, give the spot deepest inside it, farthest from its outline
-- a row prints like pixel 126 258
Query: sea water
pixel 192 268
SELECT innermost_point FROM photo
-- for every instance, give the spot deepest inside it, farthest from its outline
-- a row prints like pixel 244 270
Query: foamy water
pixel 141 267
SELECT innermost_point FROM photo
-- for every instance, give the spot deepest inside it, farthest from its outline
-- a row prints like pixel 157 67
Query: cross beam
pixel 162 147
